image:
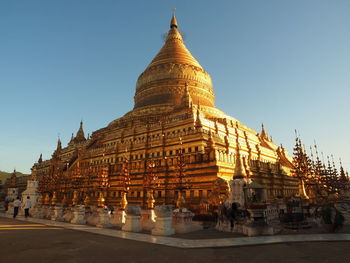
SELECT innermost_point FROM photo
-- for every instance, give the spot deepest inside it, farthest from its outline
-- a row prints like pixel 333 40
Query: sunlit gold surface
pixel 87 200
pixel 64 200
pixel 54 199
pixel 41 199
pixel 150 199
pixel 174 99
pixel 75 198
pixel 123 201
pixel 47 199
pixel 101 200
pixel 164 79
pixel 180 203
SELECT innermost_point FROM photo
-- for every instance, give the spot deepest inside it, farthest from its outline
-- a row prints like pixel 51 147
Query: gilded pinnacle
pixel 173 22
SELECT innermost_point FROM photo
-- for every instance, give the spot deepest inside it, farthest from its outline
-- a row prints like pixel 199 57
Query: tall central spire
pixel 163 82
pixel 174 50
pixel 173 22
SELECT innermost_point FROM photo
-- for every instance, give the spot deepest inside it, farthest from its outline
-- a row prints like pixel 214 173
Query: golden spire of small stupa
pixel 263 133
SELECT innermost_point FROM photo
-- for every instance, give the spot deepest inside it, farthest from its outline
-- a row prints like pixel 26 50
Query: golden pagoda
pixel 174 104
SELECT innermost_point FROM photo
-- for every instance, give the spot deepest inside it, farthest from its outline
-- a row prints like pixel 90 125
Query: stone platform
pixel 192 243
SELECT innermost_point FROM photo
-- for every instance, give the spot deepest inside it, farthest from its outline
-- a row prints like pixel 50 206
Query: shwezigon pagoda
pixel 174 114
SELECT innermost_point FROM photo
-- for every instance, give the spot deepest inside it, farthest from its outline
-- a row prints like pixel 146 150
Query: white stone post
pixel 39 212
pixel 67 214
pixel 103 218
pixel 148 219
pixel 92 216
pixel 57 214
pixel 78 215
pixel 118 218
pixel 9 211
pixel 163 222
pixel 46 212
pixel 182 221
pixel 132 220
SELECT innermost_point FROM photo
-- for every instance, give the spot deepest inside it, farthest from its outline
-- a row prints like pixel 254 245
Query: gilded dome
pixel 164 80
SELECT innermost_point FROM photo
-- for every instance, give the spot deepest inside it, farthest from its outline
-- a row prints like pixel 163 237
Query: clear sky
pixel 284 63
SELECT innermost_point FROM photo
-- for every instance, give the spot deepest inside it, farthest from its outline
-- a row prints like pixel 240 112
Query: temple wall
pixel 210 151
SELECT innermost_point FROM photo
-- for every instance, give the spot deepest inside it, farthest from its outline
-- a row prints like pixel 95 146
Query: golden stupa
pixel 163 81
pixel 174 111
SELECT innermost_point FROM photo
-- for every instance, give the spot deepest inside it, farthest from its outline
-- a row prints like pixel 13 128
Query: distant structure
pixel 174 112
pixel 15 184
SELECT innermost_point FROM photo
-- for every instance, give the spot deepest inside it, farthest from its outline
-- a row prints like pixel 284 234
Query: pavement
pixel 25 241
pixel 205 238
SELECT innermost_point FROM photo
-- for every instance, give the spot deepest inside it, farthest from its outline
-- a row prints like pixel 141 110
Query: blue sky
pixel 284 63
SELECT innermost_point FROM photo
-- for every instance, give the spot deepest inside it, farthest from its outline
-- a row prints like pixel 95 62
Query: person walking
pixel 16 206
pixel 27 205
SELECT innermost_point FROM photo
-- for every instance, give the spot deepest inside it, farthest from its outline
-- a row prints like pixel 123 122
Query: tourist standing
pixel 27 205
pixel 16 206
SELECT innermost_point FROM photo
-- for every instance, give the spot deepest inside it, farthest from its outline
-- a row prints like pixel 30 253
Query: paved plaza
pixel 25 241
